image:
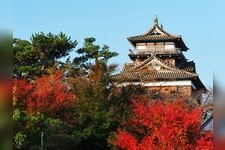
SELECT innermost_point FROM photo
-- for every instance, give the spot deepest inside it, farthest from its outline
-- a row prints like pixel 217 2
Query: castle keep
pixel 159 64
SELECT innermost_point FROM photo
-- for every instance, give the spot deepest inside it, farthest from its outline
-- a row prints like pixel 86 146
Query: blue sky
pixel 6 15
pixel 201 25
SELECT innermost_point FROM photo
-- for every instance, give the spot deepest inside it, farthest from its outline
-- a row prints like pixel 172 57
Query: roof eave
pixel 129 39
pixel 182 44
pixel 201 86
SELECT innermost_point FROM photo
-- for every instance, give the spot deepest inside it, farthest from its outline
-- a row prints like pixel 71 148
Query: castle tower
pixel 159 64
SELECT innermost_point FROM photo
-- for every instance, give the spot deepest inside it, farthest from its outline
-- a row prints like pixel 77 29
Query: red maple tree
pixel 47 94
pixel 163 125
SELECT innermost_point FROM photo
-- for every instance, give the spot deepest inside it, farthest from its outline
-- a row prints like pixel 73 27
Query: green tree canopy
pixel 91 52
pixel 42 51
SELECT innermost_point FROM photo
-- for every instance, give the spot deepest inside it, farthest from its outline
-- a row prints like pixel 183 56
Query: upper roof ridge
pixel 157 33
pixel 156 29
pixel 155 22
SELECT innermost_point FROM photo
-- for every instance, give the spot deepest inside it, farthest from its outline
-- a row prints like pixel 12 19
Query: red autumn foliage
pixel 47 94
pixel 22 89
pixel 205 142
pixel 168 125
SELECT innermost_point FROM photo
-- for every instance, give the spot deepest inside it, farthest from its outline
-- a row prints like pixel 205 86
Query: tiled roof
pixel 156 33
pixel 145 62
pixel 145 72
pixel 154 68
pixel 153 38
pixel 155 75
pixel 142 64
pixel 127 66
pixel 167 63
pixel 188 66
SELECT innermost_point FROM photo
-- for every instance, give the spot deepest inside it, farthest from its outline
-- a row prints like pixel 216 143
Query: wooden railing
pixel 156 51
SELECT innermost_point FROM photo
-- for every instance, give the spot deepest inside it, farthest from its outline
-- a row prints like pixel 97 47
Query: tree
pixel 91 52
pixel 158 125
pixel 33 57
pixel 43 105
pixel 47 103
pixel 91 85
pixel 48 94
pixel 92 115
pixel 51 96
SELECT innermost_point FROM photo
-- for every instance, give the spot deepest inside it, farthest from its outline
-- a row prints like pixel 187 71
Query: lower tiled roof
pixel 127 67
pixel 161 74
pixel 146 71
